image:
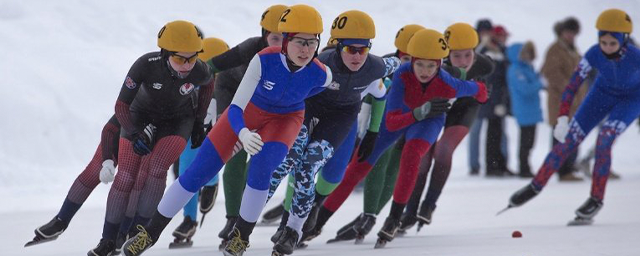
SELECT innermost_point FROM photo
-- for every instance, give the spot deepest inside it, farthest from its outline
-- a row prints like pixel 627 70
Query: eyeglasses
pixel 353 49
pixel 182 59
pixel 301 42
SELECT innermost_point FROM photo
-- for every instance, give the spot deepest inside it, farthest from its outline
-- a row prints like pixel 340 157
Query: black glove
pixel 366 146
pixel 197 134
pixel 143 142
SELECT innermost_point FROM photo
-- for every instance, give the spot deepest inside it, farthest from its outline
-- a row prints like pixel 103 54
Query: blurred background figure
pixel 560 61
pixel 524 86
pixel 498 105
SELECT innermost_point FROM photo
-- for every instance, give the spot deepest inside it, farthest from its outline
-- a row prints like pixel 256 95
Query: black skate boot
pixel 586 212
pixel 280 231
pixel 364 226
pixel 236 245
pixel 122 237
pixel 226 232
pixel 523 195
pixel 311 234
pixel 407 222
pixel 48 232
pixel 424 215
pixel 388 232
pixel 346 232
pixel 208 197
pixel 106 247
pixel 139 243
pixel 287 242
pixel 273 214
pixel 310 223
pixel 520 197
pixel 183 234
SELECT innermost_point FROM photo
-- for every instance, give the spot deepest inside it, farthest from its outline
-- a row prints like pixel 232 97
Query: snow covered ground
pixel 63 62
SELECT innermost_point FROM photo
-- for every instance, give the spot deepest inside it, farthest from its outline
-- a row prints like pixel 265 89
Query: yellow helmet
pixel 461 36
pixel 271 17
pixel 353 24
pixel 404 34
pixel 614 20
pixel 428 44
pixel 300 18
pixel 212 47
pixel 180 36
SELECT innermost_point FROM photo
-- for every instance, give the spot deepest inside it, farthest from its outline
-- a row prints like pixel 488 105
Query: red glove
pixel 482 95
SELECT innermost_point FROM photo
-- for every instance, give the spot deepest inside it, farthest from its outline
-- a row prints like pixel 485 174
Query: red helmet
pixel 499 30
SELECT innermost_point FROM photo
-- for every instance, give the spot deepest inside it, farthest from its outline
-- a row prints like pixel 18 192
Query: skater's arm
pixel 128 92
pixel 244 93
pixel 396 118
pixel 465 88
pixel 236 56
pixel 569 93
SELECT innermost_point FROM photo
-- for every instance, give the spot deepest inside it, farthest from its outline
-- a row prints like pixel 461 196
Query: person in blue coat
pixel 615 94
pixel 524 85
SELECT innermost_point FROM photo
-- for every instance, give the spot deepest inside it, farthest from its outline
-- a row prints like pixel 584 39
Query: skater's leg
pixel 374 182
pixel 356 171
pixel 620 117
pixel 292 161
pixel 391 175
pixel 421 181
pixel 443 155
pixel 186 158
pixel 593 109
pixel 233 180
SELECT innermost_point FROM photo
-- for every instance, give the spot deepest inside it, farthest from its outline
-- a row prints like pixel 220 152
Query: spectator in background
pixel 524 86
pixel 559 64
pixel 496 108
pixel 484 29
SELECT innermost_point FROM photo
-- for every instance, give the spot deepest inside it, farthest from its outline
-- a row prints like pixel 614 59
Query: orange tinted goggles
pixel 353 50
pixel 182 59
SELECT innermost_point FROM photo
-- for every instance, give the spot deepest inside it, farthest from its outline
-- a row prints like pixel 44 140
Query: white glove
pixel 251 141
pixel 108 172
pixel 363 119
pixel 211 113
pixel 561 129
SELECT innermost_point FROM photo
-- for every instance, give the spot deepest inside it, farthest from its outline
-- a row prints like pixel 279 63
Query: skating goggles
pixel 182 59
pixel 301 42
pixel 354 49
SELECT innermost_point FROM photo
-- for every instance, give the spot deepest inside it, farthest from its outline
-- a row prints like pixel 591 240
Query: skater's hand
pixel 561 129
pixel 108 172
pixel 251 141
pixel 431 108
pixel 197 134
pixel 143 142
pixel 366 146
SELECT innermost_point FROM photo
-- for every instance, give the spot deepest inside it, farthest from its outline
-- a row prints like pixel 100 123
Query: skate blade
pixel 381 243
pixel 222 245
pixel 180 245
pixel 276 253
pixel 265 223
pixel 503 210
pixel 301 246
pixel 336 240
pixel 359 240
pixel 37 240
pixel 580 222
